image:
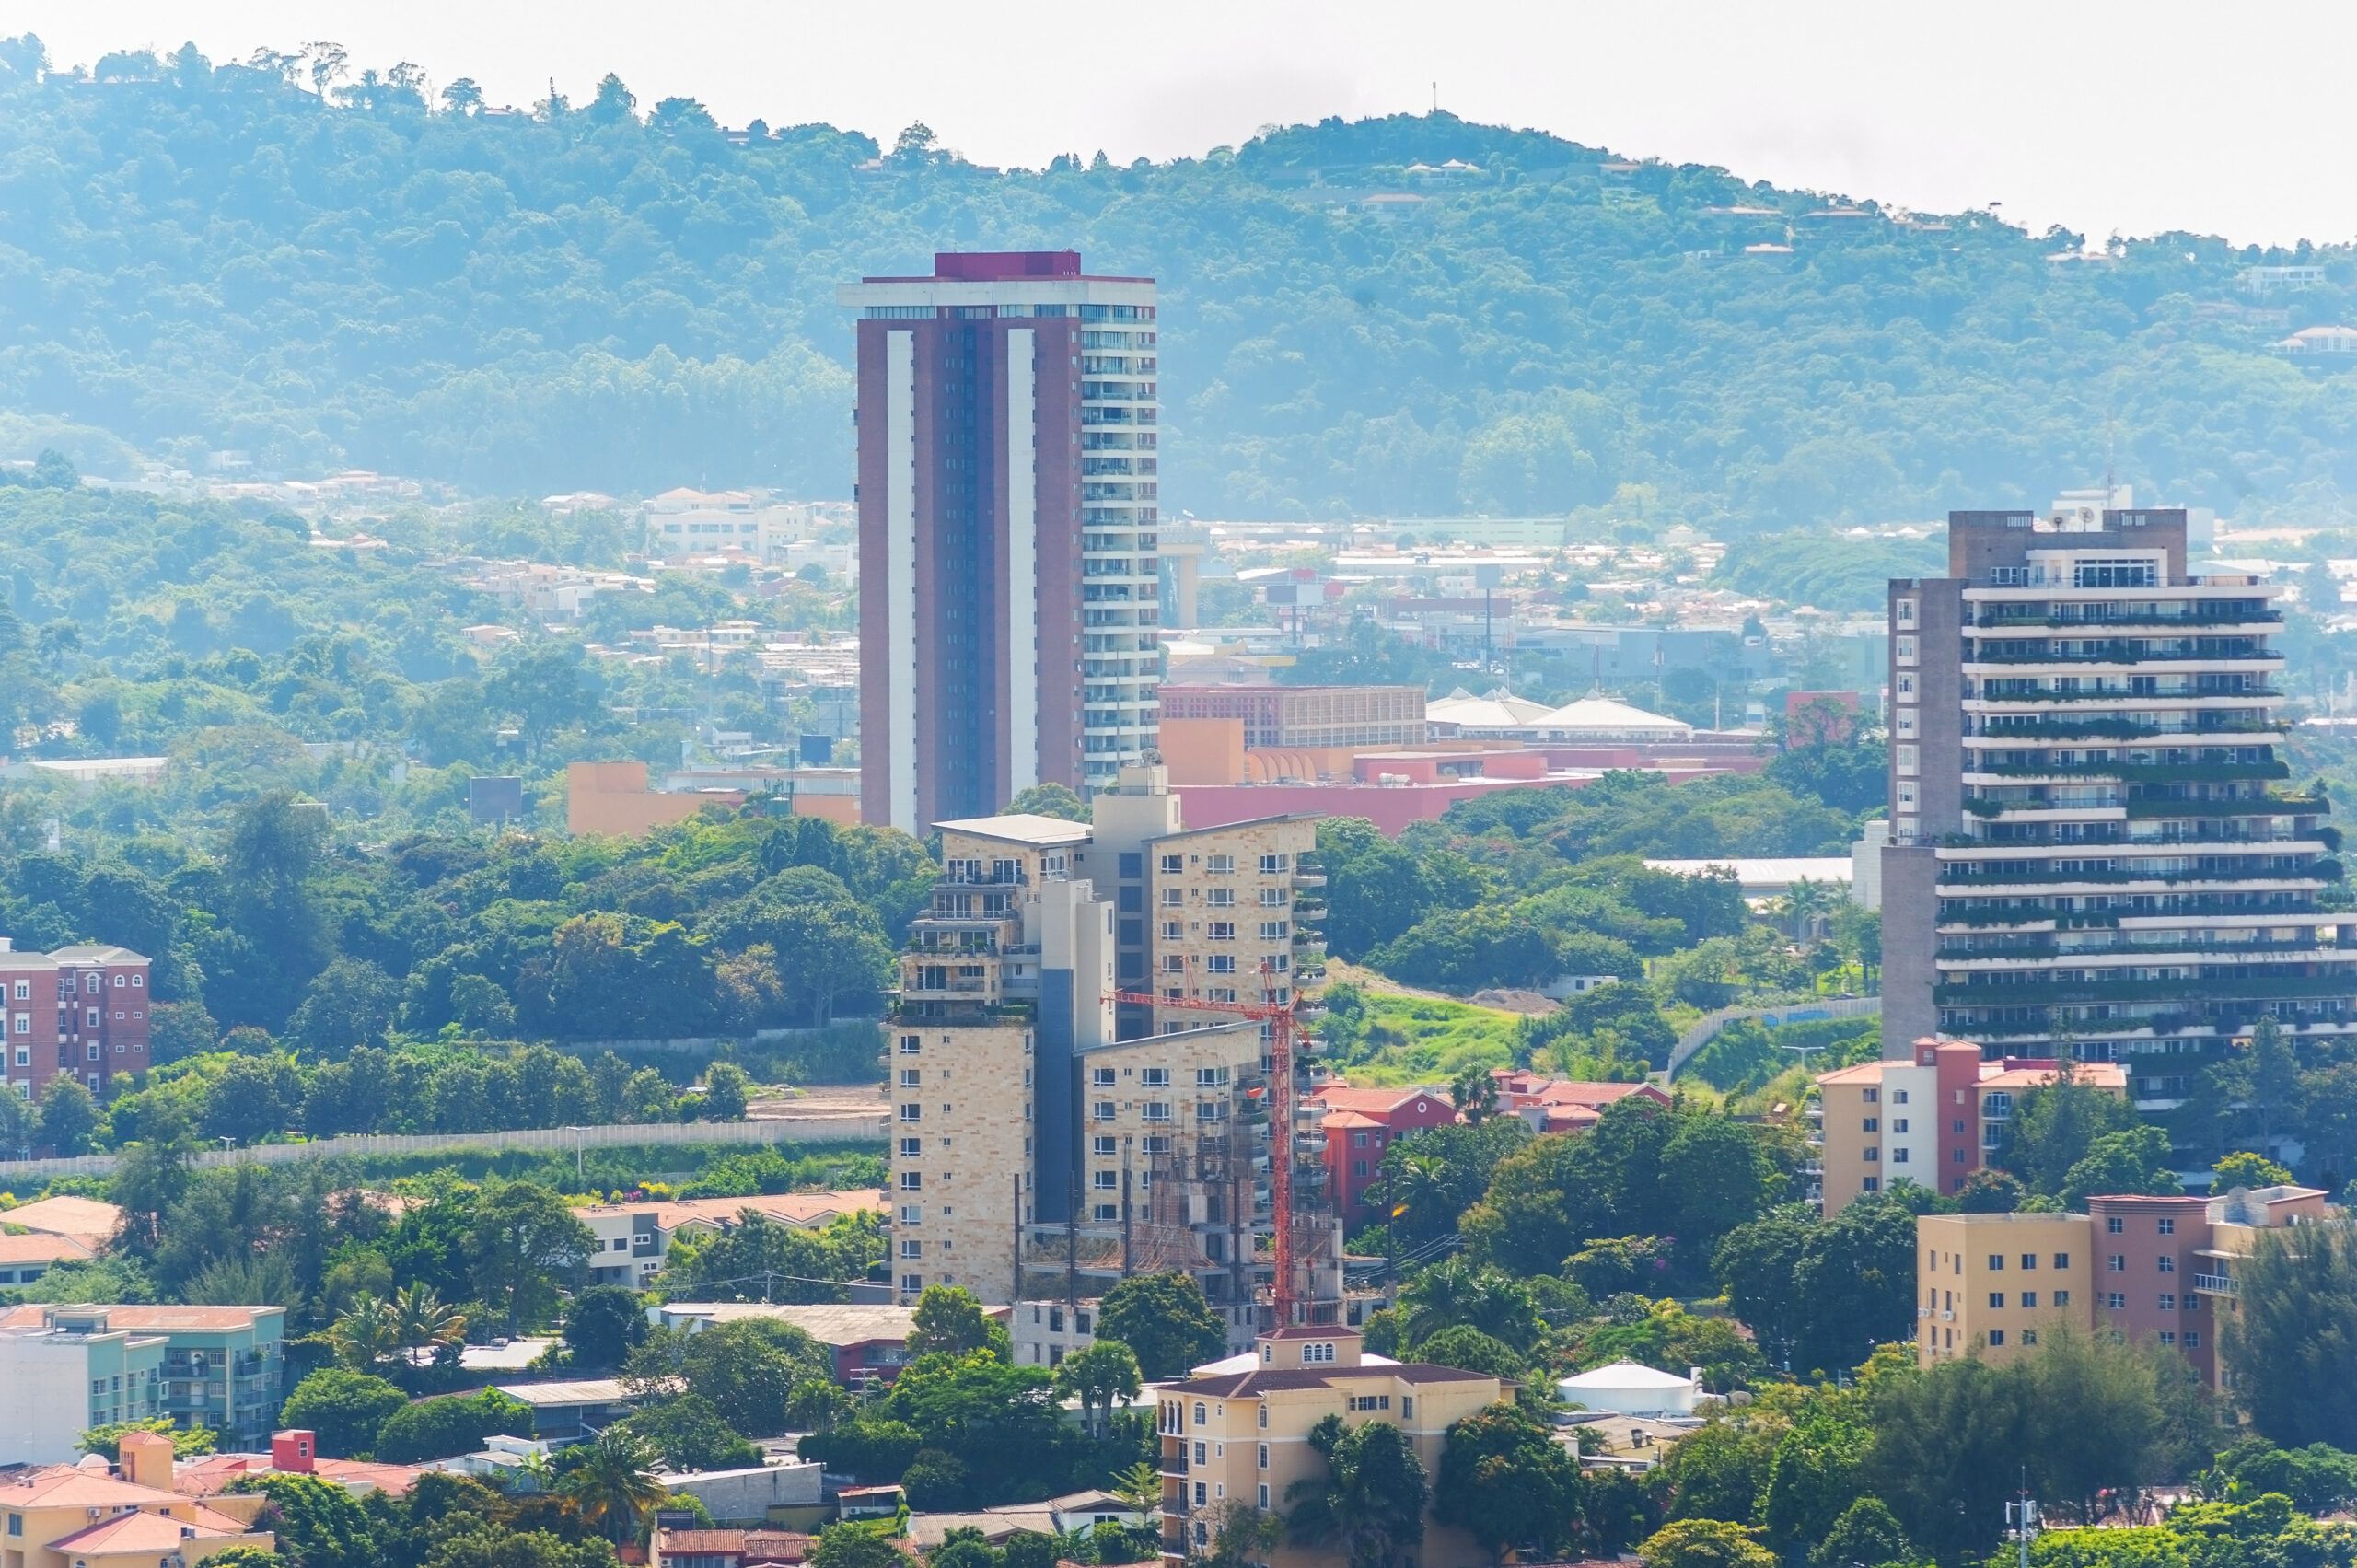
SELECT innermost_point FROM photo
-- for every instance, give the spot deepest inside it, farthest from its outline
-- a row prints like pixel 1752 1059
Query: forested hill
pixel 620 297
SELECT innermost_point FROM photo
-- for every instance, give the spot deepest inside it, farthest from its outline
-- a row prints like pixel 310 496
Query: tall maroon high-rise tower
pixel 1007 509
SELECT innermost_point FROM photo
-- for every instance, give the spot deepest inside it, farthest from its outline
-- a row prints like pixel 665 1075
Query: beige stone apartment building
pixel 1046 1140
pixel 1238 1432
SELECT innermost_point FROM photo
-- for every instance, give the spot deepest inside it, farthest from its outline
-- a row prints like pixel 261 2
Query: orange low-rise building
pixel 2159 1270
pixel 616 799
pixel 1933 1119
pixel 91 1516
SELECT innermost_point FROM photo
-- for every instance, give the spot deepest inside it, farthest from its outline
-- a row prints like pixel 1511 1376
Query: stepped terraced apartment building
pixel 2094 852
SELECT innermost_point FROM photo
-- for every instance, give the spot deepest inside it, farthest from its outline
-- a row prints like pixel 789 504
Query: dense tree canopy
pixel 327 271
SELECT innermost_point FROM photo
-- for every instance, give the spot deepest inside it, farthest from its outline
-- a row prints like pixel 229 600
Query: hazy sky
pixel 2098 115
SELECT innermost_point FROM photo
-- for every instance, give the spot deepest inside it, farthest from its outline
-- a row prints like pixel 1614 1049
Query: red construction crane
pixel 1279 1017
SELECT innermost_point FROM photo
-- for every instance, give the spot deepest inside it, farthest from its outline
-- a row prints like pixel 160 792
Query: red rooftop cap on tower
pixel 995 266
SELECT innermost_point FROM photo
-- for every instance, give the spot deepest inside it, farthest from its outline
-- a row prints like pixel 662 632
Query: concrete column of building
pixel 1020 678
pixel 1911 976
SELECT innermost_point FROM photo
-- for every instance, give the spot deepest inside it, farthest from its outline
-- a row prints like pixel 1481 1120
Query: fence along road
pixel 1698 1034
pixel 767 1130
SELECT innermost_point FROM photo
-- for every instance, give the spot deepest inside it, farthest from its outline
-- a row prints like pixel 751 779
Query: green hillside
pixel 625 298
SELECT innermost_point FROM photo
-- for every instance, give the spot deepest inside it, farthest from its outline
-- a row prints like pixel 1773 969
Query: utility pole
pixel 2022 1516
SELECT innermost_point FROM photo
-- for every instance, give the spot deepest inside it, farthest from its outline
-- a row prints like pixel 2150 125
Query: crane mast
pixel 1285 1289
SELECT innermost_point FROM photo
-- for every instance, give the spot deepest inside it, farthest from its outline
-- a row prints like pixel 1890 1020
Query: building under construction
pixel 1093 1041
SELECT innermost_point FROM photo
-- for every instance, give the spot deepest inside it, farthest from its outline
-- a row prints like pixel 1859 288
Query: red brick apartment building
pixel 1362 1124
pixel 81 1010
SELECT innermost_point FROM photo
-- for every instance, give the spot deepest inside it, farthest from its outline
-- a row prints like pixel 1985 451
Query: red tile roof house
pixel 1562 1105
pixel 1360 1124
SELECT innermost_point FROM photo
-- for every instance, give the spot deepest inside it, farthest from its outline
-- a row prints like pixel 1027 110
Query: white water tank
pixel 1626 1388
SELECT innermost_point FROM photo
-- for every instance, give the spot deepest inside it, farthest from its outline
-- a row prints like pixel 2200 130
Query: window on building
pixel 1104 1144
pixel 1154 1077
pixel 2061 1260
pixel 2029 1259
pixel 910 1180
pixel 2116 1300
pixel 2029 1298
pixel 2169 1228
pixel 1996 1261
pixel 1172 865
pixel 2114 1225
pixel 2168 1265
pixel 1996 1339
pixel 2061 1298
pixel 1996 1298
pixel 2117 1263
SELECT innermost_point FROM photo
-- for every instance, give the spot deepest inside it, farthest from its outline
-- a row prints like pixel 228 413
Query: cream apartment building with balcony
pixel 1238 1435
pixel 2091 839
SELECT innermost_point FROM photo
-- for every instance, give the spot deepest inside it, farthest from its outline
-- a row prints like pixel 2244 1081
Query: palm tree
pixel 1453 1292
pixel 423 1321
pixel 1370 1503
pixel 613 1488
pixel 1416 1188
pixel 533 1473
pixel 366 1333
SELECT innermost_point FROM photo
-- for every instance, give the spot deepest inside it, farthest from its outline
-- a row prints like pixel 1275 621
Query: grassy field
pixel 1396 1039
